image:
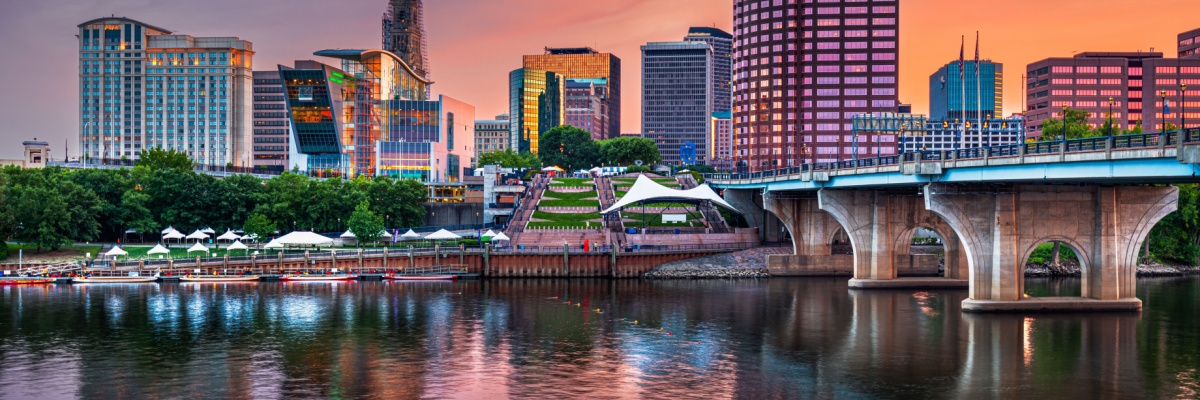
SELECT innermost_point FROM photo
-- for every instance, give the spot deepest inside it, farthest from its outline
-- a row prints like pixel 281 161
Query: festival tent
pixel 198 235
pixel 304 238
pixel 158 249
pixel 273 244
pixel 347 234
pixel 116 251
pixel 489 233
pixel 646 189
pixel 500 236
pixel 443 234
pixel 237 245
pixel 384 234
pixel 249 237
pixel 553 168
pixel 173 234
pixel 169 230
pixel 229 235
pixel 197 247
pixel 410 235
pixel 208 230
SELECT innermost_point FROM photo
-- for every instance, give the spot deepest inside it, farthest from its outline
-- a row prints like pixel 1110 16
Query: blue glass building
pixel 946 91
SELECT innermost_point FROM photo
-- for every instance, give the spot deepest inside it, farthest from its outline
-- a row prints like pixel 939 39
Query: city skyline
pixel 475 50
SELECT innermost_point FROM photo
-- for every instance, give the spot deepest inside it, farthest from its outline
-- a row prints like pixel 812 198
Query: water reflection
pixel 783 338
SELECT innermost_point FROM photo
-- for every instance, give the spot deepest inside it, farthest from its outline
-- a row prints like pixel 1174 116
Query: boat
pixel 26 281
pixel 219 278
pixel 421 277
pixel 308 278
pixel 114 279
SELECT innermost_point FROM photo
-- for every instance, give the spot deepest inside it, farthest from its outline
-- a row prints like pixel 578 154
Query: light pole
pixel 1063 136
pixel 1182 89
pixel 1110 116
pixel 1163 95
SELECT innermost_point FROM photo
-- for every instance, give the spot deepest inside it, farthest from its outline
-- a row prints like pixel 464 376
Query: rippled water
pixel 782 338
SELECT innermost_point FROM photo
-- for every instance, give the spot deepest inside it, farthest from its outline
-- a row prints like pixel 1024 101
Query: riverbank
pixel 1151 269
pixel 751 263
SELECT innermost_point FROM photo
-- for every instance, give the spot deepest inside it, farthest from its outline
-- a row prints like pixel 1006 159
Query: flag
pixel 977 52
pixel 1166 107
pixel 961 46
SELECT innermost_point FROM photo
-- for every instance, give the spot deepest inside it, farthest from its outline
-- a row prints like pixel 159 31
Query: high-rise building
pixel 584 106
pixel 801 72
pixel 404 35
pixel 722 45
pixel 142 87
pixel 1087 81
pixel 586 63
pixel 535 106
pixel 720 144
pixel 491 135
pixel 946 91
pixel 677 98
pixel 1189 44
pixel 270 122
pixel 427 140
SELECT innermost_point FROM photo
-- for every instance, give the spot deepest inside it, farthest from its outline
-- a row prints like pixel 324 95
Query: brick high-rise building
pixel 583 106
pixel 1189 44
pixel 802 70
pixel 585 63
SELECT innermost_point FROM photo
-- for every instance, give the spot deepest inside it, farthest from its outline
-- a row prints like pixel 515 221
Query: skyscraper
pixel 142 87
pixel 585 63
pixel 677 98
pixel 722 45
pixel 270 122
pixel 802 71
pixel 584 106
pixel 946 100
pixel 404 34
pixel 535 104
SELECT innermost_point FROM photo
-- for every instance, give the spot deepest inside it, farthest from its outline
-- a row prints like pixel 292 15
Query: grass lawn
pixel 572 182
pixel 620 193
pixel 552 220
pixel 64 253
pixel 569 199
pixel 655 220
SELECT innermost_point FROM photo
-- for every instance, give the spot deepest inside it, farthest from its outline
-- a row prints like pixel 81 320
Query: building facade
pixel 535 106
pixel 491 135
pixel 803 70
pixel 404 35
pixel 586 63
pixel 270 131
pixel 143 87
pixel 1189 44
pixel 584 106
pixel 720 144
pixel 677 99
pixel 722 45
pixel 982 97
pixel 427 140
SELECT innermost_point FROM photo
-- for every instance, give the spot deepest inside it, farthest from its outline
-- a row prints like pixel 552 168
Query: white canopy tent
pixel 273 244
pixel 489 233
pixel 410 235
pixel 249 237
pixel 237 245
pixel 229 235
pixel 208 230
pixel 116 251
pixel 197 235
pixel 158 249
pixel 197 247
pixel 646 189
pixel 173 235
pixel 443 234
pixel 347 235
pixel 303 238
pixel 500 236
pixel 169 230
pixel 384 234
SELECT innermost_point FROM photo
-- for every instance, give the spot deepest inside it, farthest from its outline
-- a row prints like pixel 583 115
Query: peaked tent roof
pixel 489 233
pixel 347 234
pixel 158 249
pixel 237 245
pixel 385 233
pixel 228 235
pixel 273 244
pixel 169 230
pixel 198 235
pixel 411 235
pixel 443 234
pixel 197 247
pixel 500 236
pixel 173 234
pixel 116 251
pixel 302 238
pixel 647 189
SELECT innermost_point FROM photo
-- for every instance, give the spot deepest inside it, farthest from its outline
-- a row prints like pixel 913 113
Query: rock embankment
pixel 1072 269
pixel 745 264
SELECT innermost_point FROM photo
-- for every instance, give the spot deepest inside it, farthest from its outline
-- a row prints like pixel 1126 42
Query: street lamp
pixel 1182 89
pixel 1163 95
pixel 1110 116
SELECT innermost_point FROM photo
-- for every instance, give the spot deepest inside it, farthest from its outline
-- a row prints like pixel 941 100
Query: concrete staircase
pixel 529 201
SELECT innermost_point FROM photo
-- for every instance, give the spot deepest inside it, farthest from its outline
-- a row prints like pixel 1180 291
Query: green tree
pixel 110 185
pixel 568 147
pixel 259 226
pixel 42 217
pixel 134 212
pixel 1177 237
pixel 366 225
pixel 159 158
pixel 1076 126
pixel 623 151
pixel 509 159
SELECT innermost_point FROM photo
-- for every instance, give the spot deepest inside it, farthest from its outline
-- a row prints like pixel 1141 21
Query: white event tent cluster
pixel 646 189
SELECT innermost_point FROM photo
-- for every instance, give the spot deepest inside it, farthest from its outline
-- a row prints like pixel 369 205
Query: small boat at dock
pixel 421 277
pixel 26 281
pixel 219 278
pixel 114 279
pixel 313 278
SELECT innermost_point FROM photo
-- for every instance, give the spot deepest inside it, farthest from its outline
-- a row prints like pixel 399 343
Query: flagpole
pixel 962 86
pixel 978 102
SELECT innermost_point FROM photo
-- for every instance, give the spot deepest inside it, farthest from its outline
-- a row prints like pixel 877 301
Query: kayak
pixel 37 281
pixel 219 278
pixel 421 277
pixel 114 279
pixel 302 278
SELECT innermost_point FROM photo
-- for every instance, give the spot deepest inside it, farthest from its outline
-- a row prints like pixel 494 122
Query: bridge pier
pixel 812 231
pixel 880 225
pixel 1000 226
pixel 750 203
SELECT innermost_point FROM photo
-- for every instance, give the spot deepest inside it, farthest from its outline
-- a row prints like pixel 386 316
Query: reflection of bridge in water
pixel 991 206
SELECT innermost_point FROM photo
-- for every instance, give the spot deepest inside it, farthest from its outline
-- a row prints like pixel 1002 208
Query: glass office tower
pixel 584 63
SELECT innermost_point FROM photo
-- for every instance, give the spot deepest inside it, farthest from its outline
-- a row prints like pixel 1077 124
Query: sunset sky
pixel 473 44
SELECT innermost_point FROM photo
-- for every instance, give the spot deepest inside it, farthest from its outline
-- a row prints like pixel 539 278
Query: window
pixel 828 34
pixel 1164 70
pixel 1110 81
pixel 1062 69
pixel 856 21
pixel 827 104
pixel 828 22
pixel 884 33
pixel 856 92
pixel 883 68
pixel 828 45
pixel 883 79
pixel 856 80
pixel 828 92
pixel 883 56
pixel 884 9
pixel 856 68
pixel 856 10
pixel 856 103
pixel 828 10
pixel 883 21
pixel 883 92
pixel 856 45
pixel 1085 81
pixel 1110 70
pixel 885 45
pixel 856 57
pixel 828 80
pixel 828 115
pixel 860 33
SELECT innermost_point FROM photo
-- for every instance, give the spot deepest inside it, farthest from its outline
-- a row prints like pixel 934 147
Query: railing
pixel 1133 141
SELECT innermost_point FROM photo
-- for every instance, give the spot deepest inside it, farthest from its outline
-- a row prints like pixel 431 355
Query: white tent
pixel 169 230
pixel 237 245
pixel 553 168
pixel 197 247
pixel 500 236
pixel 443 234
pixel 347 234
pixel 173 234
pixel 116 251
pixel 229 235
pixel 209 231
pixel 198 235
pixel 384 234
pixel 274 244
pixel 647 189
pixel 489 233
pixel 250 237
pixel 159 249
pixel 411 235
pixel 303 238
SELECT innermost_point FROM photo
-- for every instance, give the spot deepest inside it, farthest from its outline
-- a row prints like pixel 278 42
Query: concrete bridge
pixel 991 206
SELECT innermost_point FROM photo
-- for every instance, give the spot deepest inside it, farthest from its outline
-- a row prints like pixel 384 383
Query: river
pixel 777 338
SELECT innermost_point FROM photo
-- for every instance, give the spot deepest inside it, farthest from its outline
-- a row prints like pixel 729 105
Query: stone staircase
pixel 529 201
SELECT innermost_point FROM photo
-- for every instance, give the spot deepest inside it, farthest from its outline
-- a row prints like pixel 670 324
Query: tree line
pixel 572 148
pixel 52 207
